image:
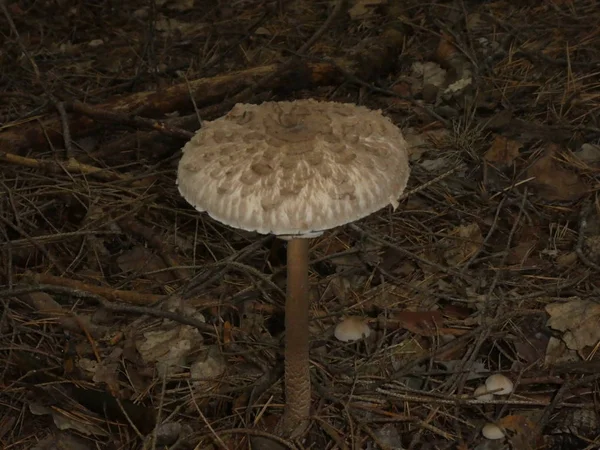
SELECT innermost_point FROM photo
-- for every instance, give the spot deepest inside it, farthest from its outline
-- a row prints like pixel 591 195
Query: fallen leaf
pixel 446 49
pixel 578 320
pixel 167 433
pixel 476 370
pixel 557 353
pixel 404 352
pixel 430 73
pixel 526 434
pixel 46 305
pixel 566 259
pixel 589 153
pixel 389 435
pixel 468 242
pixel 527 239
pixel 503 152
pixel 423 323
pixel 364 8
pixel 64 441
pixel 554 182
pixel 209 365
pixel 108 373
pixel 168 347
pixel 66 421
pixel 140 260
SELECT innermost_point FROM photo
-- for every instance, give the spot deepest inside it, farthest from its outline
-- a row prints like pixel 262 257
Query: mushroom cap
pixel 499 384
pixel 492 431
pixel 482 394
pixel 296 168
pixel 351 329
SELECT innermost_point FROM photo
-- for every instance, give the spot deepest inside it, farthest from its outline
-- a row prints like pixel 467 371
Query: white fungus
pixel 481 393
pixel 351 329
pixel 499 384
pixel 492 431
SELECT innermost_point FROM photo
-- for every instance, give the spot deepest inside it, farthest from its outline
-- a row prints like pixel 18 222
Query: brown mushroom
pixel 294 169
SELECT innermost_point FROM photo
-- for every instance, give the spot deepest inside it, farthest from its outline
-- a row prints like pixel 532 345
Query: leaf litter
pixel 131 321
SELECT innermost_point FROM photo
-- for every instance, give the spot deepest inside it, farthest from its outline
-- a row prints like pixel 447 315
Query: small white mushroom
pixel 481 393
pixel 351 329
pixel 498 384
pixel 492 431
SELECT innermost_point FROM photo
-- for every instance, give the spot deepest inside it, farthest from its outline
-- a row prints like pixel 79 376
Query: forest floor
pixel 129 320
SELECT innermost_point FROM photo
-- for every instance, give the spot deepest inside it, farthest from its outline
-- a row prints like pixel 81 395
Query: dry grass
pixel 98 250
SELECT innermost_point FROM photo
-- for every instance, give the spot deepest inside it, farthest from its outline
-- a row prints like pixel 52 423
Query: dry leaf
pixel 429 72
pixel 46 305
pixel 446 49
pixel 66 421
pixel 168 347
pixel 526 435
pixel 140 260
pixel 503 152
pixel 207 369
pixel 469 241
pixel 557 353
pixel 364 8
pixel 63 440
pixel 579 321
pixel 423 323
pixel 553 181
pixel 588 153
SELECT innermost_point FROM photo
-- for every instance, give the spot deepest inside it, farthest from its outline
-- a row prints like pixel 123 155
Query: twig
pixel 289 64
pixel 354 79
pixel 135 121
pixel 487 236
pixel 562 391
pixel 585 212
pixel 154 312
pixel 399 249
pixel 104 291
pixel 71 165
pixel 425 399
pixel 259 433
pixel 513 230
pixel 64 119
pixel 13 28
pixel 33 242
pixel 154 239
pixel 429 183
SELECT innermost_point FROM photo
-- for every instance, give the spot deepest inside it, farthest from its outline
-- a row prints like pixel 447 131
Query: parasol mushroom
pixel 294 169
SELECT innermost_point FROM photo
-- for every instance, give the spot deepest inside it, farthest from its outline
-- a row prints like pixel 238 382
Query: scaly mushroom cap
pixel 294 168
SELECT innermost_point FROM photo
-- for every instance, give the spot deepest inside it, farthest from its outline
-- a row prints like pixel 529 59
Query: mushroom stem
pixel 297 367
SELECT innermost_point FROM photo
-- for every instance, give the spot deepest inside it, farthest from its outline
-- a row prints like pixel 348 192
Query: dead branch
pixel 137 298
pixel 155 104
pixel 369 60
pixel 71 166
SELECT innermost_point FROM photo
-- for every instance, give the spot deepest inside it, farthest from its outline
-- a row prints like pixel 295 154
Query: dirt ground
pixel 131 321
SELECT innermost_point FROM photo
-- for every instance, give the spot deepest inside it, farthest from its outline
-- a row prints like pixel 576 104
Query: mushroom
pixel 499 384
pixel 492 431
pixel 482 394
pixel 351 329
pixel 294 169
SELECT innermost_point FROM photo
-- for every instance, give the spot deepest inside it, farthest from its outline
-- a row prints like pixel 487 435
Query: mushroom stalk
pixel 297 367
